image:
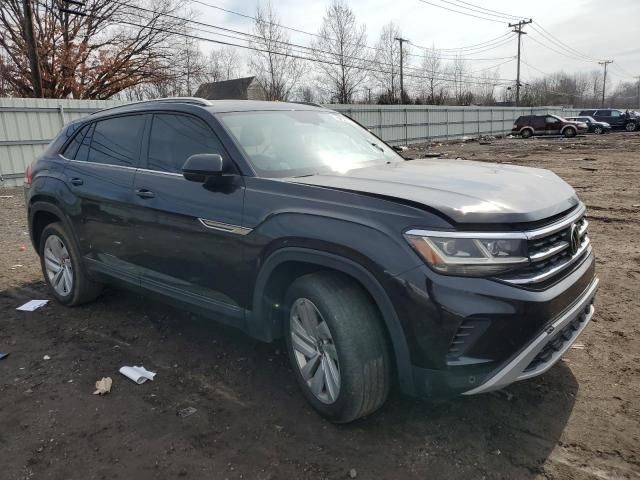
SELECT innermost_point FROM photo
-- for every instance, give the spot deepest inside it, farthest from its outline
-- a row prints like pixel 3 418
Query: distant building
pixel 237 89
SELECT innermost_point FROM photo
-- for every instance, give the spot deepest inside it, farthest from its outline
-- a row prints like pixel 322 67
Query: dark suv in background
pixel 529 125
pixel 292 221
pixel 594 126
pixel 618 119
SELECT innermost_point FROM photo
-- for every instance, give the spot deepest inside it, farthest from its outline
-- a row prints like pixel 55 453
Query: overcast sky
pixel 602 29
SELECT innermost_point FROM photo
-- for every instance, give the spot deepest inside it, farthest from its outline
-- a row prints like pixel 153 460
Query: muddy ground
pixel 580 420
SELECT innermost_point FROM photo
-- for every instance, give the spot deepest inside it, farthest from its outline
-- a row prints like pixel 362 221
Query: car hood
pixel 464 191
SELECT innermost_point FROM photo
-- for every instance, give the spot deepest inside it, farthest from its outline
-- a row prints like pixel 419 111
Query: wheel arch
pixel 284 265
pixel 43 211
pixel 573 127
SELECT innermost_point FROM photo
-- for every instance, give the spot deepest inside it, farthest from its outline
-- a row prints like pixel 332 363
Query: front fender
pixel 263 325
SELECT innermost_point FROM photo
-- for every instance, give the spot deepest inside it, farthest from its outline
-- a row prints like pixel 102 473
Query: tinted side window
pixel 72 147
pixel 603 113
pixel 616 113
pixel 83 151
pixel 116 141
pixel 174 138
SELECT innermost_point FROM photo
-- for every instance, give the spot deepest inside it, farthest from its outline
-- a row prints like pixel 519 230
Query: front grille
pixel 559 341
pixel 550 251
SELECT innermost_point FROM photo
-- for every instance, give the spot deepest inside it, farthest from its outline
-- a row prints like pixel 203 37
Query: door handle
pixel 77 181
pixel 144 193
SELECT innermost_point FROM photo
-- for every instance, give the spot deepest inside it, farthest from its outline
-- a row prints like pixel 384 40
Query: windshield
pixel 298 143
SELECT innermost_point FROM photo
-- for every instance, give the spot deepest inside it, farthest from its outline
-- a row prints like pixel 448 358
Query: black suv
pixel 292 221
pixel 618 119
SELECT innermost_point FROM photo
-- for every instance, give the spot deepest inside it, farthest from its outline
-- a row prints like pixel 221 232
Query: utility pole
pixel 32 50
pixel 638 94
pixel 401 40
pixel 604 81
pixel 517 28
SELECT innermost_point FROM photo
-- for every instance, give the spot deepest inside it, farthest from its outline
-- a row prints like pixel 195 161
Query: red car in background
pixel 529 125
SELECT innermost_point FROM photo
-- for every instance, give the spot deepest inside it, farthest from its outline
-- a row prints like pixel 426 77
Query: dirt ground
pixel 581 420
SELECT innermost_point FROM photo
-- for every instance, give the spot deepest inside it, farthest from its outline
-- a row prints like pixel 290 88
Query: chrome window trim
pixel 85 162
pixel 225 227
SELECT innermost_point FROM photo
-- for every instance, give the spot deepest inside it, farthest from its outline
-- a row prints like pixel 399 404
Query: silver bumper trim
pixel 515 369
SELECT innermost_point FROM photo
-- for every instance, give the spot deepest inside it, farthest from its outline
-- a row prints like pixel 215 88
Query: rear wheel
pixel 631 127
pixel 62 268
pixel 526 133
pixel 569 132
pixel 337 346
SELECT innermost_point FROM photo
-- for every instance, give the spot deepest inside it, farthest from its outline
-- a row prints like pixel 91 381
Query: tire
pixel 70 284
pixel 355 346
pixel 569 132
pixel 598 130
pixel 526 133
pixel 631 127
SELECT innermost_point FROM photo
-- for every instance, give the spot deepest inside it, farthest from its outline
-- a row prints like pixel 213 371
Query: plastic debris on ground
pixel 3 355
pixel 186 412
pixel 137 374
pixel 46 357
pixel 103 386
pixel 32 305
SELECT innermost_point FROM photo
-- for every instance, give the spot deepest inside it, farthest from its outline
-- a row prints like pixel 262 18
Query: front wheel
pixel 598 130
pixel 62 268
pixel 337 346
pixel 631 127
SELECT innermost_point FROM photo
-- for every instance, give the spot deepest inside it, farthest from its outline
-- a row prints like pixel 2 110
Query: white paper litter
pixel 137 374
pixel 32 305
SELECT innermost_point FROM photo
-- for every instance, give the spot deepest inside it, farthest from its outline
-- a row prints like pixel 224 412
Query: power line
pixel 462 13
pixel 489 11
pixel 286 54
pixel 297 30
pixel 287 44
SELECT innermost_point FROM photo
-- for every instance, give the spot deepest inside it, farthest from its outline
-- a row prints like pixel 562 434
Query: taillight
pixel 28 176
pixel 515 125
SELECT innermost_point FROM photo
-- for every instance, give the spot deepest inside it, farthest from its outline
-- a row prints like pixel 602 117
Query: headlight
pixel 470 254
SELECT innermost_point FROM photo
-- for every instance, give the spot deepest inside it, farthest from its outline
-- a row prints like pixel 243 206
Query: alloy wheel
pixel 314 350
pixel 57 262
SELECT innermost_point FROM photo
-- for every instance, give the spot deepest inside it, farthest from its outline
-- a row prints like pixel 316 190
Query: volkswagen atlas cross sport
pixel 292 221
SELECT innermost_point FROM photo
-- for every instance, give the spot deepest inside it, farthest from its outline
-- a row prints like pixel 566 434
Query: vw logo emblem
pixel 574 239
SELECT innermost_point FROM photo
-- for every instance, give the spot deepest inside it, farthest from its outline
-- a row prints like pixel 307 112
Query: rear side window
pixel 604 113
pixel 616 113
pixel 116 141
pixel 72 148
pixel 174 138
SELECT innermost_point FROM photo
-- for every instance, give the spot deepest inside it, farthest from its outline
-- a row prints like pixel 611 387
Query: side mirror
pixel 202 165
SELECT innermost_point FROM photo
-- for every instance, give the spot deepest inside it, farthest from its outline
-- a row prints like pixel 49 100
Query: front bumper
pixel 547 348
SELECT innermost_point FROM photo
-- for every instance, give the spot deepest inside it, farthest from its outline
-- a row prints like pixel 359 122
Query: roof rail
pixel 312 104
pixel 189 100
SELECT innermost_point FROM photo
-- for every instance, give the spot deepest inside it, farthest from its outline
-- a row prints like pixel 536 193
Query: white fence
pixel 27 125
pixel 406 124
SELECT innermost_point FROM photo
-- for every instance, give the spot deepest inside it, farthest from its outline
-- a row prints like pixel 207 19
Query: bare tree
pixel 112 47
pixel 432 89
pixel 387 62
pixel 458 72
pixel 486 89
pixel 347 56
pixel 276 70
pixel 222 64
